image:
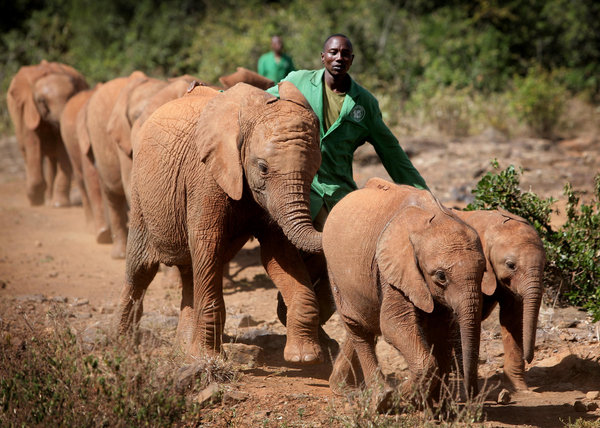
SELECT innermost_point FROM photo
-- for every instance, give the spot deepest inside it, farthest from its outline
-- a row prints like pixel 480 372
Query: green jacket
pixel 271 69
pixel 359 121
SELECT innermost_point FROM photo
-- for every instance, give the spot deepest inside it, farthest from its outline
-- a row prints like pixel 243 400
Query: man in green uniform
pixel 349 116
pixel 275 65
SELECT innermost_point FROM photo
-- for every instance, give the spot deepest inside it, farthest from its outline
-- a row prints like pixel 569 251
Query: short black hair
pixel 337 35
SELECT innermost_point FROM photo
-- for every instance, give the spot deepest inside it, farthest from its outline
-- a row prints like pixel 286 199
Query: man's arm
pixel 273 90
pixel 393 158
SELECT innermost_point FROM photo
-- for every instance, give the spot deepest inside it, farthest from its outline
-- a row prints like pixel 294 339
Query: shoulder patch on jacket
pixel 357 113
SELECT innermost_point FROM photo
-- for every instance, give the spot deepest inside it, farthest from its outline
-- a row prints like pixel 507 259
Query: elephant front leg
pixel 400 327
pixel 208 319
pixel 117 215
pixel 512 339
pixel 284 266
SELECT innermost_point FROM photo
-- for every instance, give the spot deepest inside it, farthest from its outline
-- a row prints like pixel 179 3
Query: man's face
pixel 276 44
pixel 337 56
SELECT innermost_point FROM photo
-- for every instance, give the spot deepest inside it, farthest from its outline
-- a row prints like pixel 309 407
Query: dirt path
pixel 48 257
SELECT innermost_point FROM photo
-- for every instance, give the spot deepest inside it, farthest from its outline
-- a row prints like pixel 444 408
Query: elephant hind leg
pixel 117 214
pixel 185 326
pixel 346 369
pixel 140 272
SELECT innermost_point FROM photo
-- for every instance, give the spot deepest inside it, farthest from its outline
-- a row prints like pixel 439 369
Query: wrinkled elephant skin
pixel 211 170
pixel 84 173
pixel 515 258
pixel 403 266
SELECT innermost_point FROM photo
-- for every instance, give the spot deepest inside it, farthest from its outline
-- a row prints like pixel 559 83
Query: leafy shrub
pixel 573 252
pixel 538 101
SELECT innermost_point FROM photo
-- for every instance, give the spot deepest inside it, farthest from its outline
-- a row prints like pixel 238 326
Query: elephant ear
pixel 218 133
pixel 22 97
pixel 396 257
pixel 31 115
pixel 488 282
pixel 118 126
pixel 289 92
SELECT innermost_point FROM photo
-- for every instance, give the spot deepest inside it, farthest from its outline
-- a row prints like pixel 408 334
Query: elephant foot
pixel 515 383
pixel 342 381
pixel 61 203
pixel 302 351
pixel 118 251
pixel 382 398
pixel 103 236
pixel 198 351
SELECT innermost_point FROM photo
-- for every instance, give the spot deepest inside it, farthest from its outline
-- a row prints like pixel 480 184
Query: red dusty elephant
pixel 515 257
pixel 36 98
pixel 113 101
pixel 84 172
pixel 210 171
pixel 403 266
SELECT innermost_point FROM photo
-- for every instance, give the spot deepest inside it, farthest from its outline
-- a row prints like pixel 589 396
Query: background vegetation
pixel 437 62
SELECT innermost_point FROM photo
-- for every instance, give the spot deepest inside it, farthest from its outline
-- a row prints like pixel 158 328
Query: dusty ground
pixel 48 258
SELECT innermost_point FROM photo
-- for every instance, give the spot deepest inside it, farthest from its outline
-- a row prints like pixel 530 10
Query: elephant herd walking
pixel 183 174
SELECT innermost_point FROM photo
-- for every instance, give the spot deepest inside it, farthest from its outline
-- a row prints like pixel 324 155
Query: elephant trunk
pixel 469 320
pixel 532 298
pixel 295 219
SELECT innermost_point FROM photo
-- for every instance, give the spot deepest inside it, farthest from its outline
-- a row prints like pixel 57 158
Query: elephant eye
pixel 440 276
pixel 263 167
pixel 511 265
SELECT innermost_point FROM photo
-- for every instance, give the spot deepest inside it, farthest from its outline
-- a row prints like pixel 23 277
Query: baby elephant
pixel 403 266
pixel 515 258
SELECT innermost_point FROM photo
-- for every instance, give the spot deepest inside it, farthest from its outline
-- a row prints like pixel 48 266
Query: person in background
pixel 275 65
pixel 349 116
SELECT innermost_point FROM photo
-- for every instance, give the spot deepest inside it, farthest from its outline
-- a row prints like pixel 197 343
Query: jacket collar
pixel 350 101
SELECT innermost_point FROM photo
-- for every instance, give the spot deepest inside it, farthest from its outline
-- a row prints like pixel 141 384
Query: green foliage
pixel 501 190
pixel 419 51
pixel 539 101
pixel 573 252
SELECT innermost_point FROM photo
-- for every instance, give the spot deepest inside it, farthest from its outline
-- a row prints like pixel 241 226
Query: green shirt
pixel 359 121
pixel 275 70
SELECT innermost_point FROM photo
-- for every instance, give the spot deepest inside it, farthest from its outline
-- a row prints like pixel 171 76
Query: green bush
pixel 538 101
pixel 573 251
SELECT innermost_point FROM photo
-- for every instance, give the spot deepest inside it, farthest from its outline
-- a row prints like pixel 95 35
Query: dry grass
pixel 55 378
